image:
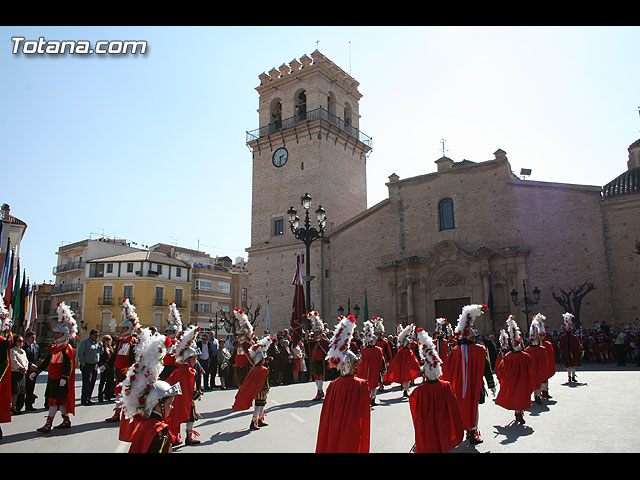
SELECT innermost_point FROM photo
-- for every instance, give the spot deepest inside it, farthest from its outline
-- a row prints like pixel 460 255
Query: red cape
pixel 456 370
pixel 144 434
pixel 551 358
pixel 66 349
pixel 371 366
pixel 516 382
pixel 250 388
pixel 436 417
pixel 570 347
pixel 182 404
pixel 403 368
pixel 5 381
pixel 345 420
pixel 539 365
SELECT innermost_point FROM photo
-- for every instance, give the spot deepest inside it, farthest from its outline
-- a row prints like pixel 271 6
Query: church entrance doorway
pixel 450 308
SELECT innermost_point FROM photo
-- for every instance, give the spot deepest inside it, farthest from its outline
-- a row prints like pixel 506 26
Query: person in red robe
pixel 240 354
pixel 184 407
pixel 505 347
pixel 378 329
pixel 539 355
pixel 60 363
pixel 122 358
pixel 317 346
pixel 255 388
pixel 6 342
pixel 551 355
pixel 172 332
pixel 345 419
pixel 148 399
pixel 437 421
pixel 516 375
pixel 443 337
pixel 372 366
pixel 570 347
pixel 404 367
pixel 467 364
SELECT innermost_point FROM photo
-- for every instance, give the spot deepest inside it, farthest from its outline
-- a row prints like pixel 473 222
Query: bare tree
pixel 571 299
pixel 230 323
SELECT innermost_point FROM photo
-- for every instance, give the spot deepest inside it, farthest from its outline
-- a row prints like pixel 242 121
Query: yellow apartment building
pixel 150 280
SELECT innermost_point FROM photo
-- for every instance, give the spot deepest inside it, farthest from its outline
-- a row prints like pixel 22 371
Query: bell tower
pixel 308 141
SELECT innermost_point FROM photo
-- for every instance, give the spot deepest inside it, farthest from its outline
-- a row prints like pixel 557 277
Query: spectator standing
pixel 32 349
pixel 204 359
pixel 213 359
pixel 89 352
pixel 107 386
pixel 620 348
pixel 19 366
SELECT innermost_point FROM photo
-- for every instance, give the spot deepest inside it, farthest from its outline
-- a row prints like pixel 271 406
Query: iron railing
pixel 66 267
pixel 310 116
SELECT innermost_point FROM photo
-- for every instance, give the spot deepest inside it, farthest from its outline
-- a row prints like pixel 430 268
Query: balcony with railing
pixel 310 116
pixel 67 267
pixel 66 288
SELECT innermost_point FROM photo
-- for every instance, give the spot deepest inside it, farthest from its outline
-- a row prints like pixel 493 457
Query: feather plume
pixel 514 334
pixel 175 318
pixel 243 321
pixel 369 334
pixel 406 334
pixel 141 376
pixel 186 342
pixel 65 316
pixel 432 366
pixel 341 340
pixel 467 318
pixel 378 324
pixel 259 349
pixel 129 313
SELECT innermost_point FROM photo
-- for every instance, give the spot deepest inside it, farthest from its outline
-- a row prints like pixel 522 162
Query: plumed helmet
pixel 567 320
pixel 338 354
pixel 369 335
pixel 466 320
pixel 258 351
pixel 5 319
pixel 244 325
pixel 443 328
pixel 432 363
pixel 378 325
pixel 504 340
pixel 187 347
pixel 317 325
pixel 130 317
pixel 515 337
pixel 174 321
pixel 66 322
pixel 406 335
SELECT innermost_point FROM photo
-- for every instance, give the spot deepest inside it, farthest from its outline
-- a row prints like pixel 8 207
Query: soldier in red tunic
pixel 437 421
pixel 317 347
pixel 378 330
pixel 60 363
pixel 540 359
pixel 345 419
pixel 148 399
pixel 173 332
pixel 404 367
pixel 6 342
pixel 570 347
pixel 551 354
pixel 465 368
pixel 516 376
pixel 443 336
pixel 184 407
pixel 240 353
pixel 122 358
pixel 255 387
pixel 372 366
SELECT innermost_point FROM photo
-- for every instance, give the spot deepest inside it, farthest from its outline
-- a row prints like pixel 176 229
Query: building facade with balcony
pixel 70 272
pixel 150 280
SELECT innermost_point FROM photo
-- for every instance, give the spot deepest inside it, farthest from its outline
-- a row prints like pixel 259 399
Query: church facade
pixel 471 232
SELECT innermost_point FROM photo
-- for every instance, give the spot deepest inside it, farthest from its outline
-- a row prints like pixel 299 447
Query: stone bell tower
pixel 308 141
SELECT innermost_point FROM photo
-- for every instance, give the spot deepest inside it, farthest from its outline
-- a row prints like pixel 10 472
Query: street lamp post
pixel 307 235
pixel 356 309
pixel 526 302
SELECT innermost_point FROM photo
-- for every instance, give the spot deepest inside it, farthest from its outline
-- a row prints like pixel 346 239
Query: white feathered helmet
pixel 130 318
pixel 187 347
pixel 406 335
pixel 174 321
pixel 339 354
pixel 141 387
pixel 504 340
pixel 514 334
pixel 567 320
pixel 466 320
pixel 432 366
pixel 244 325
pixel 369 335
pixel 258 351
pixel 66 323
pixel 317 325
pixel 378 325
pixel 5 319
pixel 443 328
pixel 535 331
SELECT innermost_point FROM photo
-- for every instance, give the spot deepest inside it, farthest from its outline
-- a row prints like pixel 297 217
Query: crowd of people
pixel 154 378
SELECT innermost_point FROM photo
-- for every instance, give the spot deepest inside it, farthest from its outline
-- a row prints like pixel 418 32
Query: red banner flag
pixel 299 309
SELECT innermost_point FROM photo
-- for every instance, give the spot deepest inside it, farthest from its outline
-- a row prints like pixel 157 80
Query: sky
pixel 151 147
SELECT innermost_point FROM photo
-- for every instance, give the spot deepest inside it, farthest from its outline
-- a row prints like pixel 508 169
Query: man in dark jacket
pixel 33 356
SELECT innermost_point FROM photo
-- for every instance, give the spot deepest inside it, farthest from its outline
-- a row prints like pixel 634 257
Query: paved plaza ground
pixel 598 414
